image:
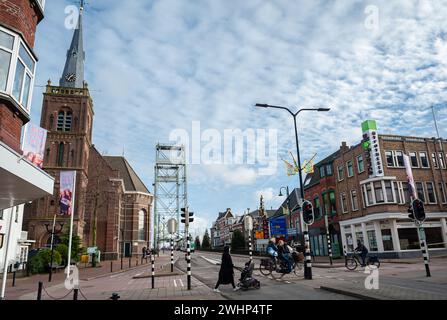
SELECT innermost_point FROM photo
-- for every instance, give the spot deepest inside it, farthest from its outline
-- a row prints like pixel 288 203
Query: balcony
pixel 21 181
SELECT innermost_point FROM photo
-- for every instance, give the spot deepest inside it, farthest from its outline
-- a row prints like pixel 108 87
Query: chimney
pixel 344 147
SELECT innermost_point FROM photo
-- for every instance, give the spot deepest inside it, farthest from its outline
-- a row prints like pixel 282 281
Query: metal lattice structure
pixel 170 189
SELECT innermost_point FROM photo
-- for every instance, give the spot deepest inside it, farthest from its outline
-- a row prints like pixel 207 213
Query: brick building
pixel 20 180
pixel 372 193
pixel 111 204
pixel 320 189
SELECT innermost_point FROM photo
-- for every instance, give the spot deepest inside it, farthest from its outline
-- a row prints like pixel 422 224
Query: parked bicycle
pixel 352 261
pixel 275 267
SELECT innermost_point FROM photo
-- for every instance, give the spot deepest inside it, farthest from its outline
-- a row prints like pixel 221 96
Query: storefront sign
pixel 371 147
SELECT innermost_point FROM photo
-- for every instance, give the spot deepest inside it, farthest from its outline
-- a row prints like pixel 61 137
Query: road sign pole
pixel 172 252
pixel 328 238
pixel 153 269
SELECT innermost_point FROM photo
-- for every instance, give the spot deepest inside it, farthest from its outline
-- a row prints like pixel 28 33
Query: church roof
pixel 131 180
pixel 73 75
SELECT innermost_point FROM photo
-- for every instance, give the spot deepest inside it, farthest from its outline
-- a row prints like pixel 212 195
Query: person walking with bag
pixel 226 273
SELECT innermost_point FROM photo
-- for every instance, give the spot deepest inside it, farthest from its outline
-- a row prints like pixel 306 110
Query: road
pixel 206 269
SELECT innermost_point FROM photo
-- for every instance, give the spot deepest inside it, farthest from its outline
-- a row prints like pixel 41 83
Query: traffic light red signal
pixel 308 212
pixel 418 210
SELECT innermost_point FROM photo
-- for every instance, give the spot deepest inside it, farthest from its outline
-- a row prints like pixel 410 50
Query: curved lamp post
pixel 308 264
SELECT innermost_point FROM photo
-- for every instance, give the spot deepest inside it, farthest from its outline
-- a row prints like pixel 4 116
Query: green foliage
pixel 76 248
pixel 206 241
pixel 40 262
pixel 237 241
pixel 63 251
pixel 198 243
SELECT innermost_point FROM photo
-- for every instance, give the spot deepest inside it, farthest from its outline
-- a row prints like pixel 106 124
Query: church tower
pixel 67 114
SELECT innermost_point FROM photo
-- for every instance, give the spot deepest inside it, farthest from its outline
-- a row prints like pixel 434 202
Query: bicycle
pixel 270 267
pixel 352 262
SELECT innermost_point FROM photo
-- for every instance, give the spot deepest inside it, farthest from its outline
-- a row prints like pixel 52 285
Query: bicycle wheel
pixel 375 263
pixel 266 269
pixel 298 268
pixel 351 264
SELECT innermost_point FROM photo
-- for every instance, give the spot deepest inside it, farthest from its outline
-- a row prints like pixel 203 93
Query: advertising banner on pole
pixel 66 192
pixel 410 178
pixel 34 144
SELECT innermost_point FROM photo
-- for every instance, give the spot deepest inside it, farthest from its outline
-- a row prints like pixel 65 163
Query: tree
pixel 237 241
pixel 206 242
pixel 198 246
pixel 76 248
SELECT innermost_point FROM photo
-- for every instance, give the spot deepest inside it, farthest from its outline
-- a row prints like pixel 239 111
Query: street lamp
pixel 308 264
pixel 53 231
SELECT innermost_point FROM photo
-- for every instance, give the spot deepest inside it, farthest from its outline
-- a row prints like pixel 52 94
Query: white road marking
pixel 181 282
pixel 175 283
pixel 212 261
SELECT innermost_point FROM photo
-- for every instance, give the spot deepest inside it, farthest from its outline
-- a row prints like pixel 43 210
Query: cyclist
pixel 362 251
pixel 284 255
pixel 272 249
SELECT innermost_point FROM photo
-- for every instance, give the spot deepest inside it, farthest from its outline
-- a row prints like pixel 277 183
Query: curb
pixel 120 271
pixel 348 293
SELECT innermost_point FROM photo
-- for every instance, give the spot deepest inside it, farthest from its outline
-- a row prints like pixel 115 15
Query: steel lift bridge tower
pixel 170 190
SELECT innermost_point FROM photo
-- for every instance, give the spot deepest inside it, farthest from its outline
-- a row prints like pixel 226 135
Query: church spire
pixel 73 75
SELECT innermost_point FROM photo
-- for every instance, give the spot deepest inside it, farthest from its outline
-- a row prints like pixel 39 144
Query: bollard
pixel 39 291
pixel 130 262
pixel 121 262
pixel 75 294
pixel 111 266
pixel 115 296
pixel 153 271
pixel 14 279
pixel 137 261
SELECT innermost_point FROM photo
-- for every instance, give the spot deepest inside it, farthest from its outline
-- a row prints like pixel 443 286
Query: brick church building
pixel 112 205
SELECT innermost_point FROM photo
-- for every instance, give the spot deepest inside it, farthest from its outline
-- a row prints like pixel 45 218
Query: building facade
pixel 320 189
pixel 373 204
pixel 21 181
pixel 110 198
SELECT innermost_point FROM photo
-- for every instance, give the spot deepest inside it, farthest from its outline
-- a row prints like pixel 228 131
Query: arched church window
pixel 64 120
pixel 51 122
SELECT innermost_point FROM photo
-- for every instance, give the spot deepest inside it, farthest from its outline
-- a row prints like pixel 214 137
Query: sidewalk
pixel 105 268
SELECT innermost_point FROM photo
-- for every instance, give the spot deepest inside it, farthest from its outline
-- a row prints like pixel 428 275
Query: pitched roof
pixel 131 180
pixel 315 177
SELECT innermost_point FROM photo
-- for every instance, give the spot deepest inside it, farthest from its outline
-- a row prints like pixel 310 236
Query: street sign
pixel 291 231
pixel 91 250
pixel 172 226
pixel 248 223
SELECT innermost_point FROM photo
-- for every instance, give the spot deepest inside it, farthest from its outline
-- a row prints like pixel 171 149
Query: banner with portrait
pixel 34 144
pixel 66 192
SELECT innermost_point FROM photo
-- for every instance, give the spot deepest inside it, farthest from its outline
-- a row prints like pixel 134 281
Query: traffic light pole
pixel 328 238
pixel 308 262
pixel 424 247
pixel 188 256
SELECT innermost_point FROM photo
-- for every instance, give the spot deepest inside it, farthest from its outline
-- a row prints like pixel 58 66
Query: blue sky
pixel 155 66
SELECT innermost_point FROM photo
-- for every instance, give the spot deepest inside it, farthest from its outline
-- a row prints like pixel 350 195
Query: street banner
pixel 410 178
pixel 34 144
pixel 66 192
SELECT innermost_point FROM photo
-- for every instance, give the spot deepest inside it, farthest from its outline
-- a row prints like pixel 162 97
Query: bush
pixel 40 262
pixel 63 251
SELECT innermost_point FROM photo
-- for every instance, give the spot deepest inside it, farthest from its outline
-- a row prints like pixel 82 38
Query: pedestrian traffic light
pixel 308 212
pixel 418 210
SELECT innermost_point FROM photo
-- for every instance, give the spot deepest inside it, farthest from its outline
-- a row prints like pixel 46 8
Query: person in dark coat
pixel 226 273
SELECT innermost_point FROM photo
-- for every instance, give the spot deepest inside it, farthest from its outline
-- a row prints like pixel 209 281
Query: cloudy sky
pixel 157 66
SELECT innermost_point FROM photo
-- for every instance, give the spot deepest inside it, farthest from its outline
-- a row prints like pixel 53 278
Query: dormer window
pixel 64 121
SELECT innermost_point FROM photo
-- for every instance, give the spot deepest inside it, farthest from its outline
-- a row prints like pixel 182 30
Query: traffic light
pixel 184 213
pixel 417 210
pixel 187 216
pixel 308 212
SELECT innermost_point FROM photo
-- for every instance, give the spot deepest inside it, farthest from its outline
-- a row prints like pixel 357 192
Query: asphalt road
pixel 205 267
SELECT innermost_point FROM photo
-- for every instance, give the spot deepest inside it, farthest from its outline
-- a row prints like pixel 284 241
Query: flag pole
pixel 71 226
